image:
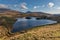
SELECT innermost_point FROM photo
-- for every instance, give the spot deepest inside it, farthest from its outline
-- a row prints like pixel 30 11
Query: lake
pixel 24 24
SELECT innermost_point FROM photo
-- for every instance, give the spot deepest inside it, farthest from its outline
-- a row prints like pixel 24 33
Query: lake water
pixel 24 24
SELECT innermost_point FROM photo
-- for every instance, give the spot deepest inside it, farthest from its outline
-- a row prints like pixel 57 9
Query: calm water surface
pixel 23 24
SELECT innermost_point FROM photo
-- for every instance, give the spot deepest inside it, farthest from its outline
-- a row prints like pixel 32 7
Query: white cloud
pixel 50 4
pixel 23 6
pixel 3 6
pixel 35 7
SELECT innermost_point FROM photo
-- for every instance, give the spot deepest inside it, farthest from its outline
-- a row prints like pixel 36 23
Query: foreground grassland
pixel 47 32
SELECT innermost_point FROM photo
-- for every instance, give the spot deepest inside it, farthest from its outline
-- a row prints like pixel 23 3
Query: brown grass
pixel 47 32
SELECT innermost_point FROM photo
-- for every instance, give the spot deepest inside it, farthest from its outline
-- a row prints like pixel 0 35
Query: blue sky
pixel 48 6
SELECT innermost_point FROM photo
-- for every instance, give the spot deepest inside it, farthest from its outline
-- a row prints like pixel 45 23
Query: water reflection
pixel 23 24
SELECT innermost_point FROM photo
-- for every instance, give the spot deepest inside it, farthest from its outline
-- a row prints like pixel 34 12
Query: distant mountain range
pixel 17 14
pixel 13 12
pixel 56 14
pixel 9 12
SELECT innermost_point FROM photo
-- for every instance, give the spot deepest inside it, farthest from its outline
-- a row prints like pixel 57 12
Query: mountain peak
pixel 3 9
pixel 28 12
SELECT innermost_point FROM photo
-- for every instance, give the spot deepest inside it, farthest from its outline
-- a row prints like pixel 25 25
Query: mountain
pixel 38 14
pixel 56 14
pixel 14 13
pixel 2 10
pixel 9 12
pixel 28 12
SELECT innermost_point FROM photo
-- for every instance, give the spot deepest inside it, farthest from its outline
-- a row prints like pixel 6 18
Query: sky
pixel 48 6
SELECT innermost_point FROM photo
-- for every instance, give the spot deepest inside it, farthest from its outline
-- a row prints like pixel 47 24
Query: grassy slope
pixel 47 32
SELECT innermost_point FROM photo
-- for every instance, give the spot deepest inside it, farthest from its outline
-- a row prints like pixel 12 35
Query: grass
pixel 47 32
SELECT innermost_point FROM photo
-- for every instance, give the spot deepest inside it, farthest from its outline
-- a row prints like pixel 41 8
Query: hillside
pixel 56 14
pixel 9 12
pixel 47 32
pixel 14 13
